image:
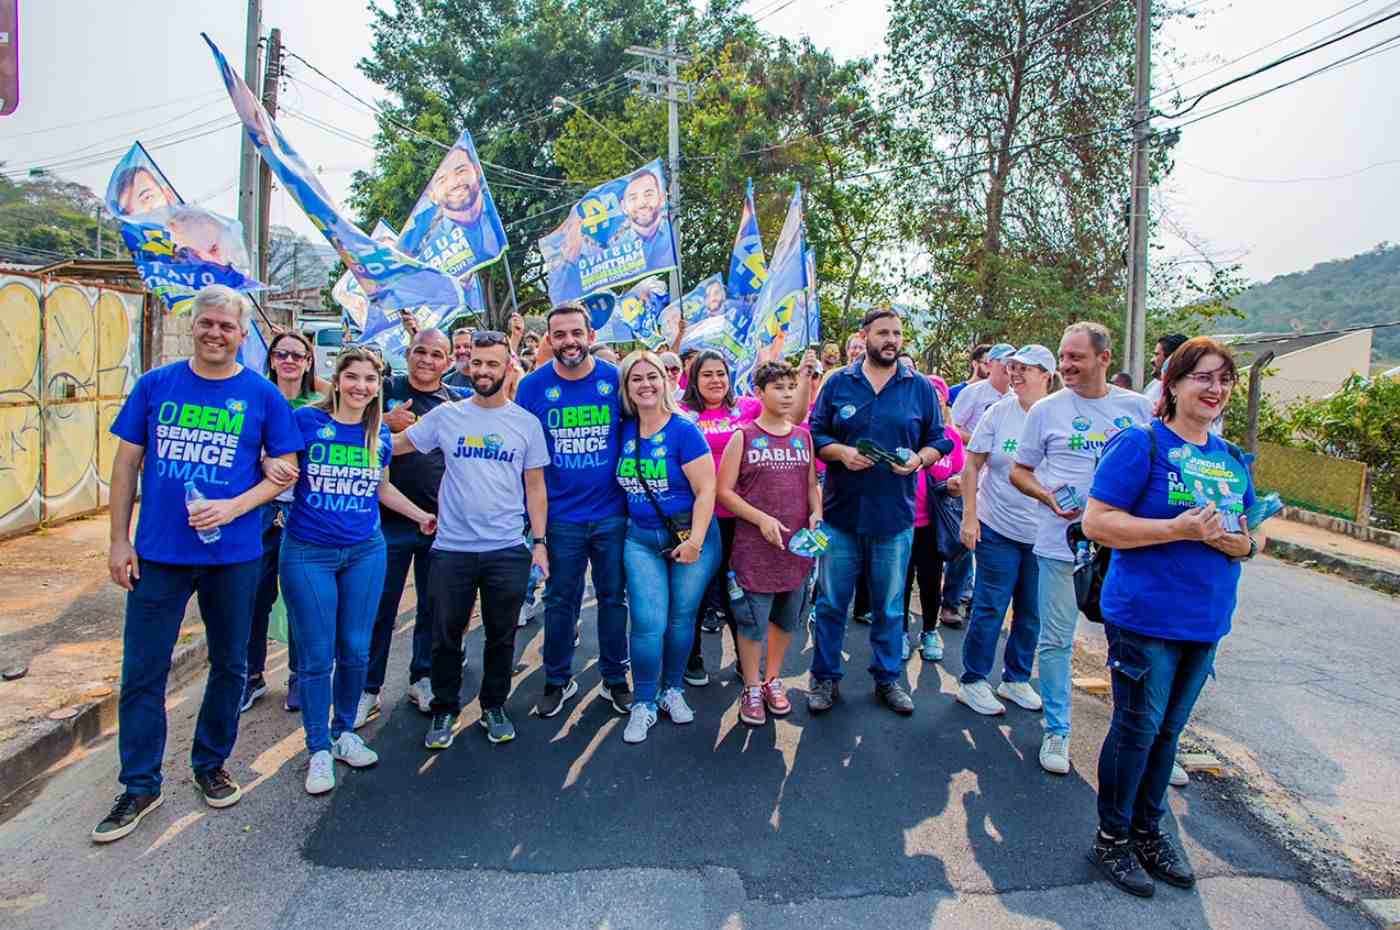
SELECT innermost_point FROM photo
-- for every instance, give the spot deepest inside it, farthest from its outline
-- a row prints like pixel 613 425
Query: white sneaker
pixel 421 693
pixel 1020 693
pixel 320 777
pixel 368 709
pixel 978 696
pixel 1054 754
pixel 1179 778
pixel 641 719
pixel 529 612
pixel 351 750
pixel 673 704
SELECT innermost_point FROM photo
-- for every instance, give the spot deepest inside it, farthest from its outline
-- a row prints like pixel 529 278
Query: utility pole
pixel 658 79
pixel 1135 328
pixel 248 156
pixel 271 78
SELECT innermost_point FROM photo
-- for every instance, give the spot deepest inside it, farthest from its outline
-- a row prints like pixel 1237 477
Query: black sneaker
pixel 219 788
pixel 554 698
pixel 896 698
pixel 1159 857
pixel 126 816
pixel 695 674
pixel 822 695
pixel 1119 864
pixel 712 622
pixel 620 695
pixel 441 731
pixel 497 725
pixel 253 689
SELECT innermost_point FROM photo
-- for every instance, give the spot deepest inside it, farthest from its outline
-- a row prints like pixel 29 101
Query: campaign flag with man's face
pixel 178 248
pixel 636 316
pixel 454 225
pixel 393 281
pixel 785 305
pixel 618 232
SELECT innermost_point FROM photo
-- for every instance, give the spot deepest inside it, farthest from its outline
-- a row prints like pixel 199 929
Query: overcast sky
pixel 1304 175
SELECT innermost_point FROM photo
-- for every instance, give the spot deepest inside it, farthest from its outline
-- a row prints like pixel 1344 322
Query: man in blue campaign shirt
pixel 201 426
pixel 576 400
pixel 870 508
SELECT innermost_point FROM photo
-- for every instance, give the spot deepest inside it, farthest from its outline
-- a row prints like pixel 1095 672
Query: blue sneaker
pixel 931 646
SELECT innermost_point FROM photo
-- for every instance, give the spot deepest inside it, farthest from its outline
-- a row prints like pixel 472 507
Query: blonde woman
pixel 332 561
pixel 672 547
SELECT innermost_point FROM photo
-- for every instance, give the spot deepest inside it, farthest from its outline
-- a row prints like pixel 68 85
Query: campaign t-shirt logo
pixel 659 438
pixel 1081 424
pixel 1123 422
pixel 659 452
pixel 553 393
pixel 1176 454
pixel 848 411
pixel 630 447
pixel 604 388
pixel 797 442
pixel 1009 446
pixel 326 432
pixel 493 441
pixel 761 442
pixel 235 405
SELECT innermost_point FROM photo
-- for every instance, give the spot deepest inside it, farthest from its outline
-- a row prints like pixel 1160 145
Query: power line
pixel 1302 180
pixel 98 158
pixel 207 95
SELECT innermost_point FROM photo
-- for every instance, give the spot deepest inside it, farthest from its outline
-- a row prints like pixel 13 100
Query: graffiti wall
pixel 69 355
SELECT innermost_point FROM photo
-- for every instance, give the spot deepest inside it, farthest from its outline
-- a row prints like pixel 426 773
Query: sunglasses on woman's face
pixel 283 355
pixel 674 369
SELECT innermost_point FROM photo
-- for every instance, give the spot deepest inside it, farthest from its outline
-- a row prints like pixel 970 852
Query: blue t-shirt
pixel 662 456
pixel 336 501
pixel 580 420
pixel 1178 590
pixel 212 433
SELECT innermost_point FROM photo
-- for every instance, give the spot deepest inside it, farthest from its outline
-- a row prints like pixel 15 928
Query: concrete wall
pixel 1319 370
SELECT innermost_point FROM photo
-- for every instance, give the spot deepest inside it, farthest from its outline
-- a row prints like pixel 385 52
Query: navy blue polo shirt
pixel 875 501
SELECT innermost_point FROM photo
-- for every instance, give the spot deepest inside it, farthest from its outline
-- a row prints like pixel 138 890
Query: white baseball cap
pixel 1036 355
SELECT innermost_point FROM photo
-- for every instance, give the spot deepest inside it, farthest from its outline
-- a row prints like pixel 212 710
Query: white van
pixel 327 336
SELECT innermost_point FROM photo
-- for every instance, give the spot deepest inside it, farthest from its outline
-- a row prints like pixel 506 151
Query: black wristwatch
pixel 1253 551
pixel 537 541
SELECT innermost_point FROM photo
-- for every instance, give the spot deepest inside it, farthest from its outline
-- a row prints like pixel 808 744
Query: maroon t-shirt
pixel 773 478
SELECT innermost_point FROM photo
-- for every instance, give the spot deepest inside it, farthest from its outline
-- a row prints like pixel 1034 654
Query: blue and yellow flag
pixel 636 317
pixel 454 225
pixel 786 305
pixel 748 270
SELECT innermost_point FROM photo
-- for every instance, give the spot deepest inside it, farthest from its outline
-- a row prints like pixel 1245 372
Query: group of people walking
pixel 773 511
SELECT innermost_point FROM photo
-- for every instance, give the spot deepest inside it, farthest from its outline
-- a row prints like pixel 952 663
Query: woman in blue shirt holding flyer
pixel 1169 499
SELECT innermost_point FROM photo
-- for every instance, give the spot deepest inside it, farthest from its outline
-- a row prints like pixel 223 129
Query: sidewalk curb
pixel 50 741
pixel 1380 578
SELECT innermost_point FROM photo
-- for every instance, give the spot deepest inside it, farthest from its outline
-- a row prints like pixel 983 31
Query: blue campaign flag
pixel 252 355
pixel 637 314
pixel 748 269
pixel 178 248
pixel 393 281
pixel 783 306
pixel 347 293
pixel 454 225
pixel 618 232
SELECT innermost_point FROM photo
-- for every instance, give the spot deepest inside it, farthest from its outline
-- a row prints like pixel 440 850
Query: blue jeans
pixel 572 548
pixel 957 580
pixel 665 595
pixel 882 561
pixel 331 594
pixel 403 544
pixel 1007 574
pixel 1059 615
pixel 1155 686
pixel 154 609
pixel 267 596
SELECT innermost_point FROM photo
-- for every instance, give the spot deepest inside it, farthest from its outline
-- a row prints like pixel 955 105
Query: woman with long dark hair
pixel 1169 499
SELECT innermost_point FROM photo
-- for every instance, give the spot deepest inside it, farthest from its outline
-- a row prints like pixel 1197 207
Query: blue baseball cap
pixel 1000 352
pixel 1036 355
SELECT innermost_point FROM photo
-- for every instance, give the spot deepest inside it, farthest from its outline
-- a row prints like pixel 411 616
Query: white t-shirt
pixel 487 450
pixel 973 401
pixel 1063 439
pixel 999 504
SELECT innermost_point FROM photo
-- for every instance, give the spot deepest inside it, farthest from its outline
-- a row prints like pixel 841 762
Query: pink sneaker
pixel 775 696
pixel 751 707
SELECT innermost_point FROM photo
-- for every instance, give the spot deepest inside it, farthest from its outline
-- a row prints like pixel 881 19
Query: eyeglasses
pixel 1205 379
pixel 488 337
pixel 675 368
pixel 283 355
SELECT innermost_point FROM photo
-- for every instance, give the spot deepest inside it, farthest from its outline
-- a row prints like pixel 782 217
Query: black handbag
pixel 945 513
pixel 1091 568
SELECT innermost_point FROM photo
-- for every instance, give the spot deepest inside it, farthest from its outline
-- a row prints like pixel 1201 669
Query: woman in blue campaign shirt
pixel 666 469
pixel 1169 499
pixel 332 560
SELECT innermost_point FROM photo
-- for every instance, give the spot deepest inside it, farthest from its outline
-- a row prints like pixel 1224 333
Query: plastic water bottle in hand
pixel 736 593
pixel 536 576
pixel 194 495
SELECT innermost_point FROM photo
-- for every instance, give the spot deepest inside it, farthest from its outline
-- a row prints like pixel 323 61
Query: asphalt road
pixel 858 819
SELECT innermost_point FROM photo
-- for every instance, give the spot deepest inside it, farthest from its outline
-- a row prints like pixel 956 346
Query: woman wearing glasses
pixel 332 560
pixel 1169 499
pixel 291 364
pixel 672 547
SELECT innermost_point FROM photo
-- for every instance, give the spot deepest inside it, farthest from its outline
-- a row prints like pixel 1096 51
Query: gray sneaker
pixel 498 727
pixel 441 731
pixel 554 697
pixel 896 697
pixel 822 695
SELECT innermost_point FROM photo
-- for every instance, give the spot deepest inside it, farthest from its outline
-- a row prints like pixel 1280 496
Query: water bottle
pixel 194 495
pixel 536 576
pixel 736 593
pixel 1081 553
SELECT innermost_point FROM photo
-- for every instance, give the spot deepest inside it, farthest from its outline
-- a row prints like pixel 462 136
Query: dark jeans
pixel 154 610
pixel 881 561
pixel 717 594
pixel 402 545
pixel 331 595
pixel 1008 575
pixel 957 576
pixel 1155 686
pixel 500 576
pixel 267 596
pixel 572 548
pixel 927 564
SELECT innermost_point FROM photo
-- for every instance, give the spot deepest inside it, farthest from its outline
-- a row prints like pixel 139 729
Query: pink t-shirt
pixel 717 424
pixel 951 464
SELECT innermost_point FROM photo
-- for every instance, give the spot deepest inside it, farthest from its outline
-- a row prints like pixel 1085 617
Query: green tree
pixel 45 218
